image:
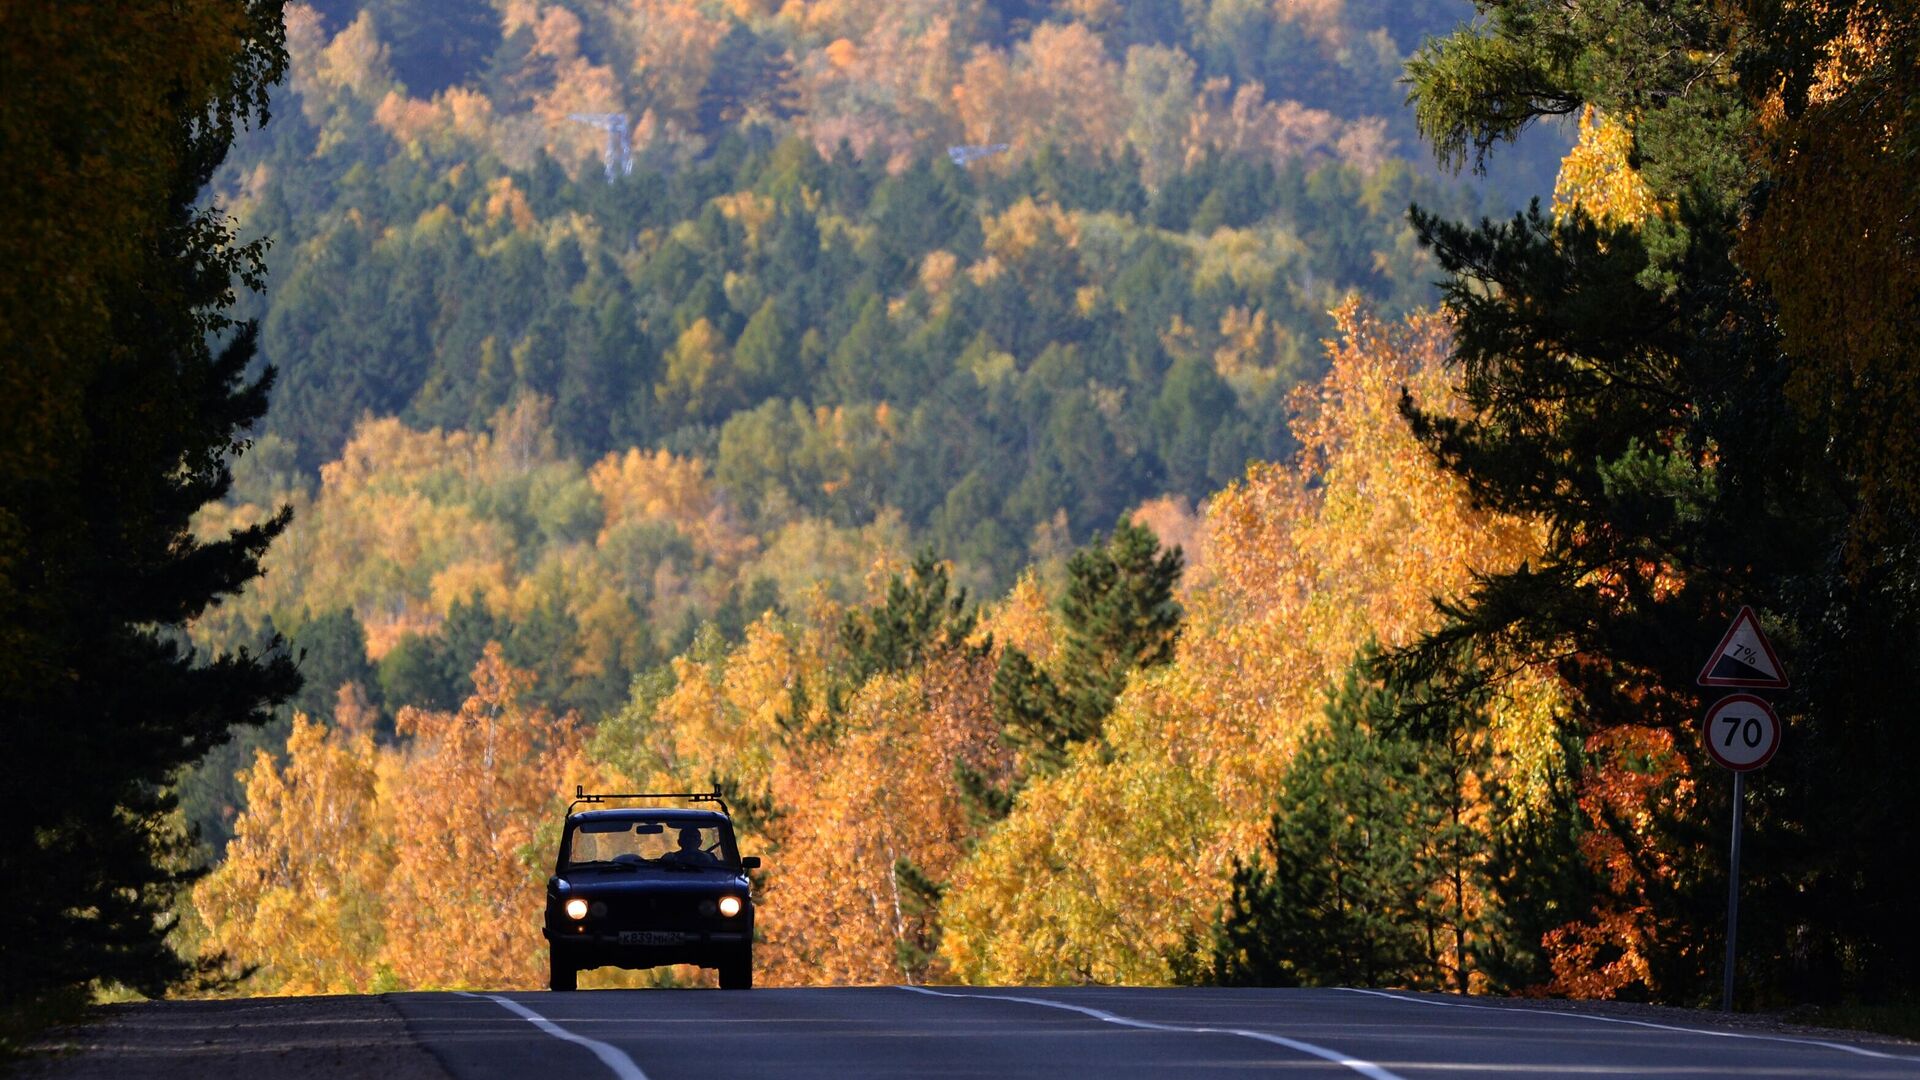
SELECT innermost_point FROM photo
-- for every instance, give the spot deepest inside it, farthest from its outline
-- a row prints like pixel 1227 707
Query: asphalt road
pixel 1094 1032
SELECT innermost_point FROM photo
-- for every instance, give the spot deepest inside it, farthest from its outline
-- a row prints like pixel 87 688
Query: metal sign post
pixel 1733 891
pixel 1742 733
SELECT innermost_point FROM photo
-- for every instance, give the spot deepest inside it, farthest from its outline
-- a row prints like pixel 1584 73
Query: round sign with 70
pixel 1742 732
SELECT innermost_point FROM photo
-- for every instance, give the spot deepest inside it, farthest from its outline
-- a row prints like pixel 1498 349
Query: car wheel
pixel 561 975
pixel 737 973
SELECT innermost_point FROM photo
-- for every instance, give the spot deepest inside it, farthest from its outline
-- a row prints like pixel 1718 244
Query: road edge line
pixel 1795 1039
pixel 614 1058
pixel 1365 1068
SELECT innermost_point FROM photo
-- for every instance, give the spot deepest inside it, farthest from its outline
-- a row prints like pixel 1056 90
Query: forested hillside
pixel 584 410
pixel 1129 548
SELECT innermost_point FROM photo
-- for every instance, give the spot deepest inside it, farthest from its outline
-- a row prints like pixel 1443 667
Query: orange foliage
pixel 1059 86
pixel 836 909
pixel 1639 774
pixel 468 803
pixel 672 45
pixel 357 868
pixel 1173 522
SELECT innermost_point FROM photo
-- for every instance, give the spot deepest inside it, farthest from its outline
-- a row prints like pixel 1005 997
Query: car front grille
pixel 659 912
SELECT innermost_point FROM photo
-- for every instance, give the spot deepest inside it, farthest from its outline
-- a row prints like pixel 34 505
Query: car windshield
pixel 650 843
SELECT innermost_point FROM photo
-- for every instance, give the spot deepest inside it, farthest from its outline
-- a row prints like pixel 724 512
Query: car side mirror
pixel 751 862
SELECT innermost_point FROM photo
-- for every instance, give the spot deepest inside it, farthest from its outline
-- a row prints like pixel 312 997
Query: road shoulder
pixel 294 1038
pixel 1783 1024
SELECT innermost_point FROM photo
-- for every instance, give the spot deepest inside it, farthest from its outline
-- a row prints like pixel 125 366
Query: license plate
pixel 651 937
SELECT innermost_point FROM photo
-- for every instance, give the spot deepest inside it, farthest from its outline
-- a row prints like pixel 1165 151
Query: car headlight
pixel 576 908
pixel 729 906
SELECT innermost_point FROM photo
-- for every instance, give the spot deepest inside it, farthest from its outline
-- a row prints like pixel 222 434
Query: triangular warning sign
pixel 1744 658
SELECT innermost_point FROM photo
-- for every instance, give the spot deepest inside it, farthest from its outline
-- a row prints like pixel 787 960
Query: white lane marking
pixel 614 1058
pixel 1365 1068
pixel 1861 1050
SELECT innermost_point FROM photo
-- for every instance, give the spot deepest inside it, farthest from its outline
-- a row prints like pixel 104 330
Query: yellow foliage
pixel 356 869
pixel 699 368
pixel 1596 178
pixel 658 486
pixel 298 892
pixel 722 718
pixel 752 210
pixel 1307 560
pixel 1094 878
pixel 811 554
pixel 937 271
pixel 458 582
pixel 1246 358
pixel 1836 245
pixel 1024 620
pixel 1014 235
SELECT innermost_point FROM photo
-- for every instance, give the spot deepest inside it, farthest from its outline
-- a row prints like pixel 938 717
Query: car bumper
pixel 680 939
pixel 702 949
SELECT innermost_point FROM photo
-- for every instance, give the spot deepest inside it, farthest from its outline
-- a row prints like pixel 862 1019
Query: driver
pixel 690 850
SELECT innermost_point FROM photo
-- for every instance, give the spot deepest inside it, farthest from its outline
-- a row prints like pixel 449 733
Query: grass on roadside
pixel 1897 1018
pixel 23 1024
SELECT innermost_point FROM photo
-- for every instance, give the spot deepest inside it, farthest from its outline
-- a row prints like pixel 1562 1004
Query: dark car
pixel 638 887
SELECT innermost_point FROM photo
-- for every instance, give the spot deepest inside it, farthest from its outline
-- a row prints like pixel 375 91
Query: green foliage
pixel 1333 910
pixel 1627 386
pixel 922 614
pixel 919 901
pixel 331 649
pixel 717 304
pixel 1375 859
pixel 1120 617
pixel 412 672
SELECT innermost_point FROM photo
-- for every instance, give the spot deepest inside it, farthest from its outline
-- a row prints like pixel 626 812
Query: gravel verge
pixel 1759 1023
pixel 293 1038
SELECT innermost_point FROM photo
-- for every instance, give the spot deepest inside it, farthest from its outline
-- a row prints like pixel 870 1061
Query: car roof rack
pixel 580 796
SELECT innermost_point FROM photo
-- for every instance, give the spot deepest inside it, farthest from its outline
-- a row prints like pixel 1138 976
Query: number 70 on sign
pixel 1742 732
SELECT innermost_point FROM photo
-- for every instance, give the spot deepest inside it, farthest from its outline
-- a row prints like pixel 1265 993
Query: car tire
pixel 561 975
pixel 737 973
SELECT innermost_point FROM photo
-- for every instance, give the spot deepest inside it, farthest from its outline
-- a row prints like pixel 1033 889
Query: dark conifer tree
pixel 1335 898
pixel 331 649
pixel 1627 385
pixel 1120 616
pixel 129 392
pixel 922 614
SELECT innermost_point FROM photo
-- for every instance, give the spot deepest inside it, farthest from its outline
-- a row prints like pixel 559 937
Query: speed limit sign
pixel 1742 732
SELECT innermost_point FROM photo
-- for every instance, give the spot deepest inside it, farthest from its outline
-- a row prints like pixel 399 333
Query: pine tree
pixel 1339 904
pixel 1628 385
pixel 1120 617
pixel 332 651
pixel 1380 845
pixel 749 74
pixel 922 614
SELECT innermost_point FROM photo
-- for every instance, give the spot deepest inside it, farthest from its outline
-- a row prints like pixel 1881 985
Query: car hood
pixel 670 883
